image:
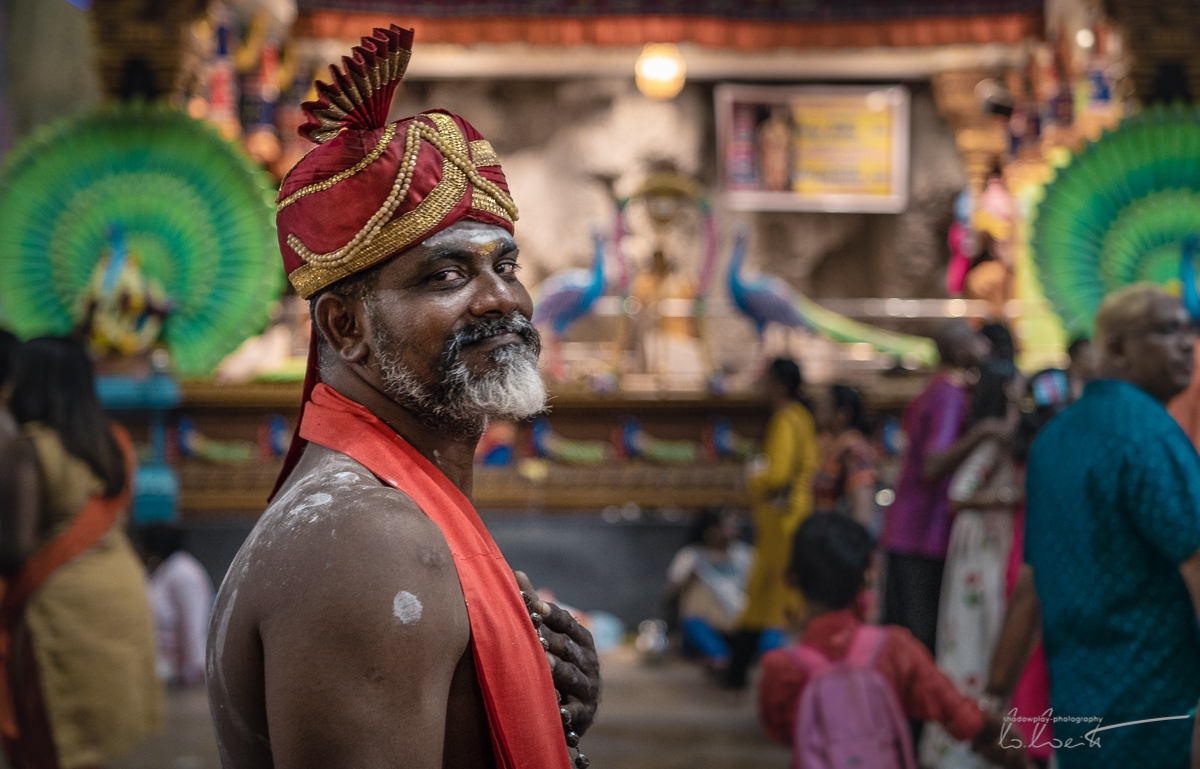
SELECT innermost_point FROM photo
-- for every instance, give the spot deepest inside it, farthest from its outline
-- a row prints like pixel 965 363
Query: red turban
pixel 371 190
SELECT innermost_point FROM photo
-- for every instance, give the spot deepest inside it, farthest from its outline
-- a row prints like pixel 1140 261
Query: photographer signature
pixel 1036 738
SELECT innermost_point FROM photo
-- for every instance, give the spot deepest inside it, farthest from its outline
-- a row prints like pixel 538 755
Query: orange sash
pixel 90 525
pixel 518 689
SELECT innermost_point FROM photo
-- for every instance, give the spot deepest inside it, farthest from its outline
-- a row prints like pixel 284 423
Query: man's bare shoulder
pixel 336 521
pixel 343 581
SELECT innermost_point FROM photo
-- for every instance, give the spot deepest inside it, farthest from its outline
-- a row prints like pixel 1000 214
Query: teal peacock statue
pixel 1119 212
pixel 139 187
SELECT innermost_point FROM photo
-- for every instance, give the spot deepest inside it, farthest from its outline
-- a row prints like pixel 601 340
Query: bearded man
pixel 369 620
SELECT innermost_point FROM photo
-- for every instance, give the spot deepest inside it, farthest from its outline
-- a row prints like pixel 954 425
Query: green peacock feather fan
pixel 196 212
pixel 1118 213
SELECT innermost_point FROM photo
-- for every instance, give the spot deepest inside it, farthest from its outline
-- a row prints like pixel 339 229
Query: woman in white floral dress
pixel 983 494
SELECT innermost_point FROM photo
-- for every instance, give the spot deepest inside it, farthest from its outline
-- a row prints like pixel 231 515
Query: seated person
pixel 829 565
pixel 181 596
pixel 708 580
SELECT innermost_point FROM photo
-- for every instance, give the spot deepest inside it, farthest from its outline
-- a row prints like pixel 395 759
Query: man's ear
pixel 1112 357
pixel 343 321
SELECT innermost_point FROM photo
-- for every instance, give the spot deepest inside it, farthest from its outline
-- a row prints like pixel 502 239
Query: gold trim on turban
pixel 482 154
pixel 481 201
pixel 371 157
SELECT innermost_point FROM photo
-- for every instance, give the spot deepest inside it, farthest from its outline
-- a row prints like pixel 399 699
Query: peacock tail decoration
pixel 138 206
pixel 908 349
pixel 1119 212
pixel 766 299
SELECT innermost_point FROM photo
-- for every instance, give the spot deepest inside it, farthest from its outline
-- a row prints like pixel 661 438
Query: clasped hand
pixel 571 653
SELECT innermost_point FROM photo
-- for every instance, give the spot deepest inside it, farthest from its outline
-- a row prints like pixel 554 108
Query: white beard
pixel 464 399
pixel 515 390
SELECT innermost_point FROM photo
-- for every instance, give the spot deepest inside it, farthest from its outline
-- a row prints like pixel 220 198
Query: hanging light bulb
pixel 660 71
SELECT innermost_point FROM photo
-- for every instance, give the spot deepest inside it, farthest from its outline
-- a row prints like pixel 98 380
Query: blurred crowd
pixel 1015 583
pixel 1034 559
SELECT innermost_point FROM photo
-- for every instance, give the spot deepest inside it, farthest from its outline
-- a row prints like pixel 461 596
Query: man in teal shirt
pixel 1113 534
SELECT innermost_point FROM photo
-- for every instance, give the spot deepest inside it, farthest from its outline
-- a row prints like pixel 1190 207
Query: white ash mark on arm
pixel 406 608
pixel 313 502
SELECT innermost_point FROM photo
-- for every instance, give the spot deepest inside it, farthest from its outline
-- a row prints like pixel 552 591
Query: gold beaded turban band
pixel 373 189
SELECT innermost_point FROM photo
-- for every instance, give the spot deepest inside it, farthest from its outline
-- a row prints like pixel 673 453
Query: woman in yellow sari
pixel 780 488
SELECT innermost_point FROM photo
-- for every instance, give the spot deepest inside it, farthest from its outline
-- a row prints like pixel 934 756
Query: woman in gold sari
pixel 76 639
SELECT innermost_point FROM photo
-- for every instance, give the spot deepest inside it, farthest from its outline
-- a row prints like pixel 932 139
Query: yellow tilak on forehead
pixel 376 239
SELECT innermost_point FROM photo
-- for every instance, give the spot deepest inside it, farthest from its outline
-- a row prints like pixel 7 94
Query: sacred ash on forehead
pixel 371 190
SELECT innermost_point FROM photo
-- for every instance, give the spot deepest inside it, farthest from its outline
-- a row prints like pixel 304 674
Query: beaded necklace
pixel 581 761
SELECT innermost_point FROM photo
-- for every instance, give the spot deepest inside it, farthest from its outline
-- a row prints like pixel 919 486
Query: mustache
pixel 513 323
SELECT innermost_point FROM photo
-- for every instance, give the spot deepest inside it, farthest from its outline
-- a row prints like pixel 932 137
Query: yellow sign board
pixel 842 145
pixel 814 148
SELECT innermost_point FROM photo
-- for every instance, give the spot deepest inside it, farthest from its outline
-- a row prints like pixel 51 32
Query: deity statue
pixel 121 310
pixel 667 328
pixel 774 139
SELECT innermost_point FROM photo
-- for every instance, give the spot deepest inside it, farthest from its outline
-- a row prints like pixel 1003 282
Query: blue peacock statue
pixel 567 296
pixel 1120 212
pixel 144 201
pixel 766 299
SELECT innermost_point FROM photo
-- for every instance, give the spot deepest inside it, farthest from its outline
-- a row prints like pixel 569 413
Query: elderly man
pixel 1113 536
pixel 369 620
